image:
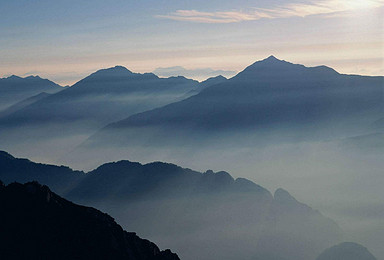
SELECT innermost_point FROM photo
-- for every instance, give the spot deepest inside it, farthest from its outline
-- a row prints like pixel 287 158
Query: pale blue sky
pixel 66 40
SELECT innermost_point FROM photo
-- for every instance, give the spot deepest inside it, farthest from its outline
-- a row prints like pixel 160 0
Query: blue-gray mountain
pixel 15 89
pixel 200 215
pixel 102 97
pixel 272 98
pixel 23 103
pixel 38 224
pixel 67 118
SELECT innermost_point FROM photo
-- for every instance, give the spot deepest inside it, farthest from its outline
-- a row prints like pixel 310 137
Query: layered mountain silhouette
pixel 269 98
pixel 60 178
pixel 38 224
pixel 15 89
pixel 192 73
pixel 207 215
pixel 346 251
pixel 207 83
pixel 23 103
pixel 104 96
pixel 67 118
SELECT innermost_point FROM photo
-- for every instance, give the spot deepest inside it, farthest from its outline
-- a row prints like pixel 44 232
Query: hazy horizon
pixel 65 41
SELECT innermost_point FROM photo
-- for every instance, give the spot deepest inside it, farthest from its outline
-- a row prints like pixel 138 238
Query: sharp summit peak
pixel 271 57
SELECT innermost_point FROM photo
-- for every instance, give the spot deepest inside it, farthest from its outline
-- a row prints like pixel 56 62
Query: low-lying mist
pixel 340 177
pixel 337 177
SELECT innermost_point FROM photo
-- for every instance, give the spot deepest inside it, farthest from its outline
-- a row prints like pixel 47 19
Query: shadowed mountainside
pixel 173 206
pixel 68 118
pixel 22 104
pixel 38 224
pixel 104 96
pixel 271 97
pixel 61 179
pixel 15 89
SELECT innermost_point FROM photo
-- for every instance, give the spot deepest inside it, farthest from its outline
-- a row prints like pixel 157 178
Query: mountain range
pixel 15 89
pixel 313 130
pixel 37 223
pixel 167 203
pixel 67 118
pixel 104 96
pixel 269 98
pixel 270 101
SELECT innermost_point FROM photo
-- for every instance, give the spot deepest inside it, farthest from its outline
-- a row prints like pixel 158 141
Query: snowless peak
pixel 113 71
pixel 117 68
pixel 272 58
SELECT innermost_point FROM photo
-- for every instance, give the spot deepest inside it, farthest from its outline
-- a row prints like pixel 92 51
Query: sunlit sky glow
pixel 66 40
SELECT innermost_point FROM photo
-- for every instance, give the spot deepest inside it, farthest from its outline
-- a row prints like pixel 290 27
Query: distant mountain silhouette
pixel 213 81
pixel 15 89
pixel 271 97
pixel 104 96
pixel 346 251
pixel 201 73
pixel 24 103
pixel 38 224
pixel 167 203
pixel 73 114
pixel 206 83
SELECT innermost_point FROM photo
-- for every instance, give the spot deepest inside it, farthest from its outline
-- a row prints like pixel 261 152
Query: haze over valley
pixel 220 130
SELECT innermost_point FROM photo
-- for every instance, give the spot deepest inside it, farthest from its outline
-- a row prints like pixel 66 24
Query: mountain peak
pixel 271 58
pixel 119 67
pixel 33 77
pixel 270 63
pixel 117 71
pixel 114 70
pixel 13 77
pixel 273 69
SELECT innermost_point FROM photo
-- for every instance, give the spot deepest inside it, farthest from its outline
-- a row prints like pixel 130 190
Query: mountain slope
pixel 104 96
pixel 346 251
pixel 15 89
pixel 38 224
pixel 22 104
pixel 67 118
pixel 271 97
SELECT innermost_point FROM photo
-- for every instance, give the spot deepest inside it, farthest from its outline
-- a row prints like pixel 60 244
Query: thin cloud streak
pixel 325 7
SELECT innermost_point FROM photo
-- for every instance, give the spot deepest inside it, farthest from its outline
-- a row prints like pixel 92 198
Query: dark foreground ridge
pixel 38 224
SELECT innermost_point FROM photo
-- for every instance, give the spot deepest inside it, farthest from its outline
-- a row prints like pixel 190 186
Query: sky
pixel 67 40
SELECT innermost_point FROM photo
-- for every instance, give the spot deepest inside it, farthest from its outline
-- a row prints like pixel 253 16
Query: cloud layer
pixel 324 7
